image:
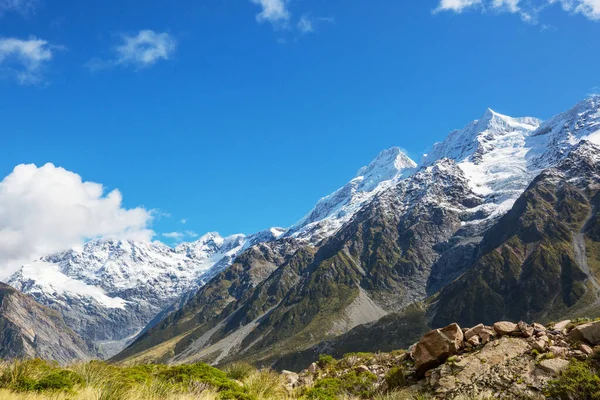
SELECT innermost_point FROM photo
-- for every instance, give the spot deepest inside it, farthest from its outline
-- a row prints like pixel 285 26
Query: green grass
pixel 121 383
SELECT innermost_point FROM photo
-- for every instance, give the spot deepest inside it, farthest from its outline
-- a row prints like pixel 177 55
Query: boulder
pixel 312 368
pixel 485 337
pixel 538 328
pixel 558 351
pixel 436 346
pixel 291 379
pixel 539 345
pixel 589 333
pixel 505 328
pixel 479 330
pixel 587 350
pixel 474 341
pixel 554 366
pixel 526 330
pixel 562 325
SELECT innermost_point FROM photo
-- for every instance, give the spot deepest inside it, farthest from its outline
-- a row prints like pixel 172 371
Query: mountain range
pixel 498 221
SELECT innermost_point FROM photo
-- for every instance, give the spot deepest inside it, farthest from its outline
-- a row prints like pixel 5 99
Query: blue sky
pixel 238 115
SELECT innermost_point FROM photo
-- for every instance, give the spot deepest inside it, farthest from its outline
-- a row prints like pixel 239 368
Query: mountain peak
pixel 387 165
pixel 392 157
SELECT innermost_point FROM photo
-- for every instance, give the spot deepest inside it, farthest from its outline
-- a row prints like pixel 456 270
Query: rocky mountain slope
pixel 108 291
pixel 29 330
pixel 505 360
pixel 420 230
pixel 540 260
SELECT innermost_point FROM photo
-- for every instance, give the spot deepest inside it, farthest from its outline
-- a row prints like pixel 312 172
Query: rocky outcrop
pixel 517 362
pixel 31 330
pixel 507 360
pixel 589 333
pixel 435 347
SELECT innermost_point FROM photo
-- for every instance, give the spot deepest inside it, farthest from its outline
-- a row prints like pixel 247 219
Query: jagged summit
pixel 332 211
pixel 553 140
pixel 389 164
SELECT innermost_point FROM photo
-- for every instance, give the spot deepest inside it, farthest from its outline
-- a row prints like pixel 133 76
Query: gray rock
pixel 436 346
pixel 562 325
pixel 587 332
pixel 554 366
pixel 505 328
pixel 31 330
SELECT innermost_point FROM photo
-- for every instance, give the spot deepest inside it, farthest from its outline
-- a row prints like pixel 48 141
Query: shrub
pixel 395 378
pixel 325 360
pixel 239 371
pixel 265 384
pixel 95 373
pixel 578 382
pixel 325 389
pixel 63 380
pixel 197 372
pixel 359 384
pixel 21 376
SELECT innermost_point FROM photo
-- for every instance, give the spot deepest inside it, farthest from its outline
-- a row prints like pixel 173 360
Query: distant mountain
pixel 108 291
pixel 30 330
pixel 400 235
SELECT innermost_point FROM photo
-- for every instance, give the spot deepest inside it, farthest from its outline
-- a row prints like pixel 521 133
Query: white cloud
pixel 174 235
pixel 180 236
pixel 48 209
pixel 305 25
pixel 457 5
pixel 24 59
pixel 528 10
pixel 140 51
pixel 588 8
pixel 146 48
pixel 183 221
pixel 21 6
pixel 275 12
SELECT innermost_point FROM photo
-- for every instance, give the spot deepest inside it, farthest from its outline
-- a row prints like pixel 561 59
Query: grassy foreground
pixel 337 379
pixel 37 380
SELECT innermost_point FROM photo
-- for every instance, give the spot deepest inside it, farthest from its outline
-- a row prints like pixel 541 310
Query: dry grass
pixel 106 393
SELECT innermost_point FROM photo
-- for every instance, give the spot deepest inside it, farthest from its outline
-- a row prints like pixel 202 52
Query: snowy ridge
pixel 109 290
pixel 559 135
pixel 492 153
pixel 333 211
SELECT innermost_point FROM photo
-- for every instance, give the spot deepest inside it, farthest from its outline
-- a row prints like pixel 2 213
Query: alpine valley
pixel 500 221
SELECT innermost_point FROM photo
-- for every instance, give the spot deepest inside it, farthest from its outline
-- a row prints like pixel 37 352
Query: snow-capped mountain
pixel 109 290
pixel 492 153
pixel 395 235
pixel 556 137
pixel 333 211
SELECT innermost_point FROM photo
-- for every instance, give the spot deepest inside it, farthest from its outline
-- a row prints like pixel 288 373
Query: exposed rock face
pixel 589 333
pixel 435 347
pixel 30 330
pixel 528 265
pixel 504 368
